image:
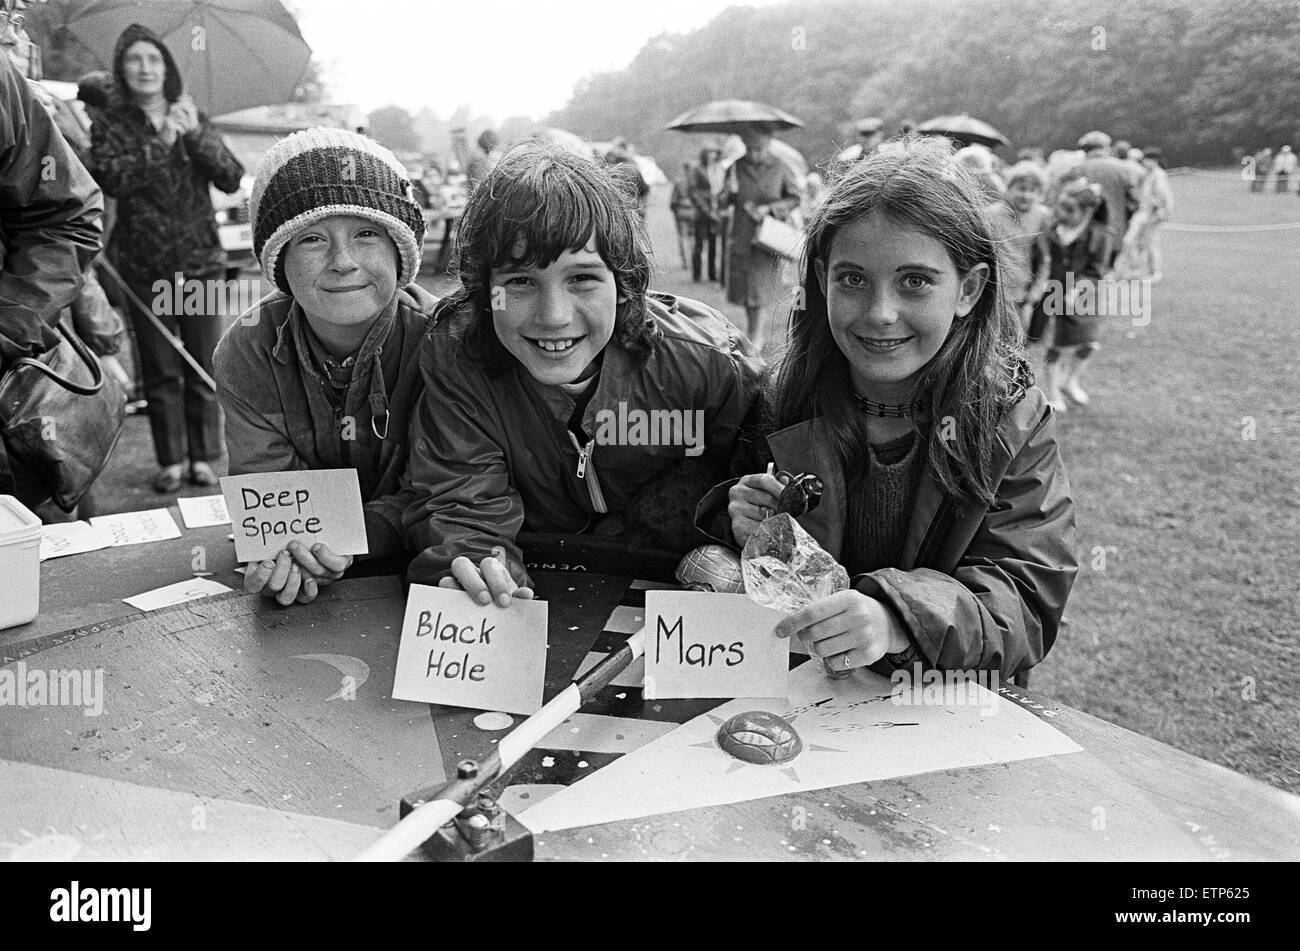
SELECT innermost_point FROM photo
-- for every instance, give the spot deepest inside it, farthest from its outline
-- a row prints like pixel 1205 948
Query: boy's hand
pixel 490 580
pixel 752 499
pixel 847 629
pixel 319 562
pixel 297 574
pixel 281 579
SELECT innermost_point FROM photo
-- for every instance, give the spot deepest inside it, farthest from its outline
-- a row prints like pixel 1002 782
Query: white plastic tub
pixel 20 563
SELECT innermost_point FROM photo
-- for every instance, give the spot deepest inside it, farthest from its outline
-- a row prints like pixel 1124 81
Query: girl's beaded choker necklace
pixel 905 411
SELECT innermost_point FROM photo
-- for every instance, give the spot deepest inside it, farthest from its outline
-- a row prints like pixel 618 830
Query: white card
pixel 457 652
pixel 136 528
pixel 203 511
pixel 271 509
pixel 72 538
pixel 700 644
pixel 177 593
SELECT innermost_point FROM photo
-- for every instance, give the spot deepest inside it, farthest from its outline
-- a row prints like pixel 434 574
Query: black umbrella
pixel 733 116
pixel 965 129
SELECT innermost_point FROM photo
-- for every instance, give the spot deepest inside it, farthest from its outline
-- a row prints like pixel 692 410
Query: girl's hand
pixel 490 580
pixel 752 499
pixel 847 629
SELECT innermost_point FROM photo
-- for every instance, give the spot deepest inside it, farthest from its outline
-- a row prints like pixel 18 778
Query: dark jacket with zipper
pixel 279 415
pixel 977 589
pixel 491 457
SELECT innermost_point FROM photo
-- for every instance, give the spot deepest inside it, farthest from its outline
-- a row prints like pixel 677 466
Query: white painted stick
pixel 412 832
pixel 421 823
pixel 529 733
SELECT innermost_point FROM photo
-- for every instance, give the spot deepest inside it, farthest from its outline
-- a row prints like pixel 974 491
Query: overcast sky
pixel 501 57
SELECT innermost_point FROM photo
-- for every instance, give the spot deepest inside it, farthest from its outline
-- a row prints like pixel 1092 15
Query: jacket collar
pixel 808 447
pixel 369 355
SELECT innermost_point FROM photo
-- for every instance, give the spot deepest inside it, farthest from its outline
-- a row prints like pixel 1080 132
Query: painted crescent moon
pixel 350 667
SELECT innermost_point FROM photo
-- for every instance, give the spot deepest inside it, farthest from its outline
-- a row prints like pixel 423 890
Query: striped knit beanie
pixel 320 172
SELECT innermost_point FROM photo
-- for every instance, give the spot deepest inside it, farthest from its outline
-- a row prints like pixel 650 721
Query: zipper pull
pixel 583 455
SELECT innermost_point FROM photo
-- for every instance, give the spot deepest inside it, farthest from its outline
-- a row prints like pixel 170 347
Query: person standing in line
pixel 683 212
pixel 157 154
pixel 1141 256
pixel 1079 245
pixel 870 134
pixel 705 182
pixel 1283 168
pixel 1120 183
pixel 489 151
pixel 758 185
pixel 1263 164
pixel 623 163
pixel 1027 248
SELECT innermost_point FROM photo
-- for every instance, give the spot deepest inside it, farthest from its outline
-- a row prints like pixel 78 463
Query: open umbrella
pixel 232 54
pixel 966 130
pixel 732 115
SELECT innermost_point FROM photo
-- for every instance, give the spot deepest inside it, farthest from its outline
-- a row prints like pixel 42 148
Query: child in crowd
pixel 903 389
pixel 551 342
pixel 1079 247
pixel 324 373
pixel 1027 249
pixel 1141 256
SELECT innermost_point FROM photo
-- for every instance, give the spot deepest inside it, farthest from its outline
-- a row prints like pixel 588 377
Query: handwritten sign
pixel 72 538
pixel 137 528
pixel 177 593
pixel 457 652
pixel 699 644
pixel 203 511
pixel 271 509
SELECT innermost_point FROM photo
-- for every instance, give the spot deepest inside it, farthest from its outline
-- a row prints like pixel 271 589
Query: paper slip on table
pixel 234 729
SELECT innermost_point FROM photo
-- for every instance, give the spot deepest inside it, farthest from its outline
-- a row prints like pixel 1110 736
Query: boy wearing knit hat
pixel 321 374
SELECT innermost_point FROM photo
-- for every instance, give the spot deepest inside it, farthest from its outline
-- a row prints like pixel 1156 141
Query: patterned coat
pixel 165 220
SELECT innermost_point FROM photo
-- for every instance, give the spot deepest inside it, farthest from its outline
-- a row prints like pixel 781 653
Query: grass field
pixel 1184 622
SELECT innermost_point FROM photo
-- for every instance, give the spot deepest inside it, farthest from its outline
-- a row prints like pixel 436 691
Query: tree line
pixel 1199 79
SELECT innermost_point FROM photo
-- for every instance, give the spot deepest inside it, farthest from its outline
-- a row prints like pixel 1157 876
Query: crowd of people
pixel 474 421
pixel 1093 214
pixel 1279 167
pixel 1075 222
